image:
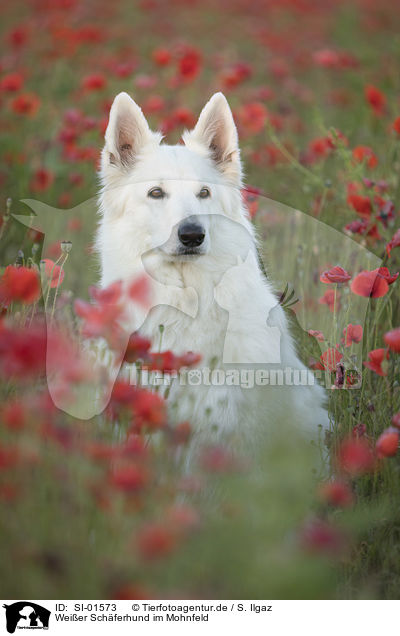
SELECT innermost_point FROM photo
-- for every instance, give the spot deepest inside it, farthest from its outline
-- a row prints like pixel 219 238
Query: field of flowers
pixel 102 508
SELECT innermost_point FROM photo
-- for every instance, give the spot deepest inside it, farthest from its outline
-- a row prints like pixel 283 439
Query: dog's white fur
pixel 132 225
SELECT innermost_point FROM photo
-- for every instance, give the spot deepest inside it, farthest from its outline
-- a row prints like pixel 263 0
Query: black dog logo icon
pixel 26 615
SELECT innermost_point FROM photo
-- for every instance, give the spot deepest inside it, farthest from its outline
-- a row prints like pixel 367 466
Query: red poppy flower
pixel 149 410
pixel 94 82
pixel 161 56
pixel 139 290
pixel 252 117
pixel 19 36
pixel 316 334
pixel 14 415
pixel 352 333
pixel 396 420
pixel 329 299
pixel 392 339
pixel 362 205
pixel 335 275
pixel 321 536
pixel 189 359
pixel 137 347
pixel 42 180
pixel 155 541
pixel 53 272
pixel 19 284
pixel 394 242
pixel 355 457
pixel 369 285
pixel 216 459
pixel 183 117
pixel 387 444
pixel 153 104
pixel 129 477
pixel 26 104
pixel 390 278
pixel 235 75
pixel 189 64
pixel 98 320
pixel 375 98
pixel 23 351
pixel 365 153
pixel 396 125
pixel 326 58
pixel 330 358
pixel 11 83
pixel 164 361
pixel 336 493
pixel 376 359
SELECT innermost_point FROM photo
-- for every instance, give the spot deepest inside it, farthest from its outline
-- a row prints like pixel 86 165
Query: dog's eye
pixel 156 193
pixel 204 193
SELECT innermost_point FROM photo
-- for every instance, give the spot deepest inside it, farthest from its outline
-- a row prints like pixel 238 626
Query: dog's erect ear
pixel 127 133
pixel 216 132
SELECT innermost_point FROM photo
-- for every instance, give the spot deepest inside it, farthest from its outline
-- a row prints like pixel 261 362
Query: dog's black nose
pixel 191 234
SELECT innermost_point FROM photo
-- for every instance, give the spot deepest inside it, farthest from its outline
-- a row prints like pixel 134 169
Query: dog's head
pixel 165 196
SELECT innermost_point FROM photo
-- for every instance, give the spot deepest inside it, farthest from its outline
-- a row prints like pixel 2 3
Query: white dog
pixel 176 213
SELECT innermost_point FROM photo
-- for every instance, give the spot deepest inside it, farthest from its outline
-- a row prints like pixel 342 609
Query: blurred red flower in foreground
pixel 129 477
pixel 320 536
pixel 53 272
pixel 369 284
pixel 23 351
pixel 355 457
pixel 330 358
pixel 376 358
pixel 14 415
pixel 100 318
pixel 155 540
pixel 216 459
pixel 137 347
pixel 12 82
pixel 26 104
pixel 139 290
pixel 352 333
pixel 336 493
pixel 394 242
pixel 149 410
pixel 392 339
pixel 335 275
pixel 365 153
pixel 388 443
pixel 375 98
pixel 19 284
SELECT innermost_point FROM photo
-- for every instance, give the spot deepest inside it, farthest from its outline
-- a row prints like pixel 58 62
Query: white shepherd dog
pixel 176 214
